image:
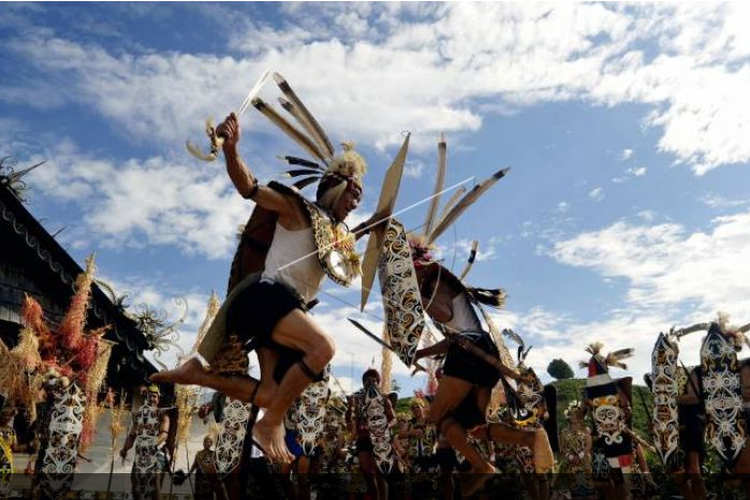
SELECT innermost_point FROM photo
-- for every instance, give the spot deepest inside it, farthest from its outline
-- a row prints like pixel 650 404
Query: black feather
pixel 302 184
pixel 302 171
pixel 293 160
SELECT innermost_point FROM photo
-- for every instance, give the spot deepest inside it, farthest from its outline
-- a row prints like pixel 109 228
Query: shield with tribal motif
pixel 312 413
pixel 665 389
pixel 531 393
pixel 722 394
pixel 609 420
pixel 402 301
pixel 380 434
pixel 231 439
pixel 66 424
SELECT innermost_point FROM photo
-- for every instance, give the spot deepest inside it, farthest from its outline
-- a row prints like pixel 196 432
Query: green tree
pixel 559 370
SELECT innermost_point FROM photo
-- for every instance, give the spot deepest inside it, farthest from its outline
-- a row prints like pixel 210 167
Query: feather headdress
pixel 435 225
pixel 599 364
pixel 325 167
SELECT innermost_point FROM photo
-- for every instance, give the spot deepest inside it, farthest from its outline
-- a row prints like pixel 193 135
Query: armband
pixel 253 190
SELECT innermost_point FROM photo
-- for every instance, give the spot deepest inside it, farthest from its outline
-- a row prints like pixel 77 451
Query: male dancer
pixel 149 431
pixel 358 417
pixel 472 368
pixel 280 275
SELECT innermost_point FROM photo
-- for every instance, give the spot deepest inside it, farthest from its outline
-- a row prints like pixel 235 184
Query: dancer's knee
pixel 321 353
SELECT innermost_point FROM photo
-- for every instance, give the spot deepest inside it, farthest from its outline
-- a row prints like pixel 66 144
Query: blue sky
pixel 625 126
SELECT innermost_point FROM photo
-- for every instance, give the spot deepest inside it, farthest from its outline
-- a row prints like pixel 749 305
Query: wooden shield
pixel 722 395
pixel 231 438
pixel 402 302
pixel 609 420
pixel 665 389
pixel 66 424
pixel 380 434
pixel 311 414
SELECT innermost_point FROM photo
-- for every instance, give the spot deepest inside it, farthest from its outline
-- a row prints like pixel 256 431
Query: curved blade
pixel 386 202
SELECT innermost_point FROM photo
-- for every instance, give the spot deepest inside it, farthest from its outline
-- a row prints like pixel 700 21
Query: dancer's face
pixel 417 411
pixel 370 380
pixel 347 202
pixel 207 443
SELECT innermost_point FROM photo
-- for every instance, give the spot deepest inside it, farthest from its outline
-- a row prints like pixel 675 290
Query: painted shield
pixel 147 426
pixel 65 427
pixel 402 302
pixel 312 413
pixel 380 434
pixel 722 395
pixel 665 387
pixel 609 420
pixel 231 438
pixel 531 394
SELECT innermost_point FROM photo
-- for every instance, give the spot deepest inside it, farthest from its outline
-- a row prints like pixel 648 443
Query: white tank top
pixel 305 275
pixel 464 318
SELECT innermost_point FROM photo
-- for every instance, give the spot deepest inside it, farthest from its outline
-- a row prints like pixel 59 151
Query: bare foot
pixel 544 460
pixel 189 373
pixel 270 438
pixel 475 479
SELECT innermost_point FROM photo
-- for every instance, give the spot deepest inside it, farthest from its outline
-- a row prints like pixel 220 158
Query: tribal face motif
pixel 377 424
pixel 65 428
pixel 231 438
pixel 311 414
pixel 665 388
pixel 402 301
pixel 531 393
pixel 722 393
pixel 147 427
pixel 608 418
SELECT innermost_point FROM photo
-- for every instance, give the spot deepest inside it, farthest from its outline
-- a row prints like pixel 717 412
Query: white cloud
pixel 596 194
pixel 152 201
pixel 434 70
pixel 637 171
pixel 414 169
pixel 666 265
pixel 626 154
pixel 562 207
pixel 714 200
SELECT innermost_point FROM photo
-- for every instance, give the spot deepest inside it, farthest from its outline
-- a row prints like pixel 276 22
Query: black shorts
pixel 467 413
pixel 256 310
pixel 446 459
pixel 460 363
pixel 364 444
pixel 692 429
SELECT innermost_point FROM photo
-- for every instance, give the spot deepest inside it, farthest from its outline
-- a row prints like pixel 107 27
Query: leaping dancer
pixel 287 248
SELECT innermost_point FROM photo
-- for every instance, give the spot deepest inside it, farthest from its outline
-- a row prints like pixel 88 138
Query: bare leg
pixel 241 388
pixel 297 331
pixel 695 476
pixel 303 478
pixel 370 471
pixel 536 439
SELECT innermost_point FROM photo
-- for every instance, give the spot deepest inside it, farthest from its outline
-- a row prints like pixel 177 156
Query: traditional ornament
pixel 607 413
pixel 229 442
pixel 312 413
pixel 665 388
pixel 726 429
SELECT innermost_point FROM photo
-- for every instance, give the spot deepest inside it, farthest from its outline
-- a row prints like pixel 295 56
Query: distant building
pixel 32 262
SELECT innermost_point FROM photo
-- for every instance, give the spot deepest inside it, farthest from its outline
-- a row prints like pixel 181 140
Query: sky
pixel 625 125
